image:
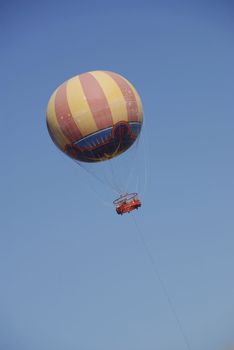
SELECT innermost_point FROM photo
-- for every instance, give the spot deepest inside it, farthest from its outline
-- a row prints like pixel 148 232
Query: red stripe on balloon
pixel 97 101
pixel 129 96
pixel 64 116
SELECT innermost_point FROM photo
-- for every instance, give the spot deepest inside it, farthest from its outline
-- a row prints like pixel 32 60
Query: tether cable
pixel 162 284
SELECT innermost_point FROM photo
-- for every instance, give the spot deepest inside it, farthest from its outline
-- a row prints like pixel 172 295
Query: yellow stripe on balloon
pixel 114 96
pixel 79 107
pixel 59 137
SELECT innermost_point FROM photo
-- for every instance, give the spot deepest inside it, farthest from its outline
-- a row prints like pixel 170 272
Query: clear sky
pixel 73 274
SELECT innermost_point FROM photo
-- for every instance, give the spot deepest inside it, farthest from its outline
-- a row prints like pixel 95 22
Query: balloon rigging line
pixel 107 184
pixel 145 141
pixel 162 284
pixel 146 159
pixel 114 177
pixel 136 148
pixel 93 190
pixel 107 178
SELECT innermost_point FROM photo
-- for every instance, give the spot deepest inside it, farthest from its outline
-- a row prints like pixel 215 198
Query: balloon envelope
pixel 94 116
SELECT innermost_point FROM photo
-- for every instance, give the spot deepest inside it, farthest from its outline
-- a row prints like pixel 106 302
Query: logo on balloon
pixel 106 143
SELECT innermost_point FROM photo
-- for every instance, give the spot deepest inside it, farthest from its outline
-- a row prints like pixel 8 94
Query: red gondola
pixel 126 203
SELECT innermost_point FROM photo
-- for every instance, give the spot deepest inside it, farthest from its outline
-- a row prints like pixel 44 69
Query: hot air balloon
pixel 95 116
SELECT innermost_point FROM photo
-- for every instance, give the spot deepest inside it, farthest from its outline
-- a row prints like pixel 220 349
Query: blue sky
pixel 73 274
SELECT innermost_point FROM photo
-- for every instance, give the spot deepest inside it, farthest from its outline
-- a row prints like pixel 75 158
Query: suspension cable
pixel 133 163
pixel 107 184
pixel 162 284
pixel 114 177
